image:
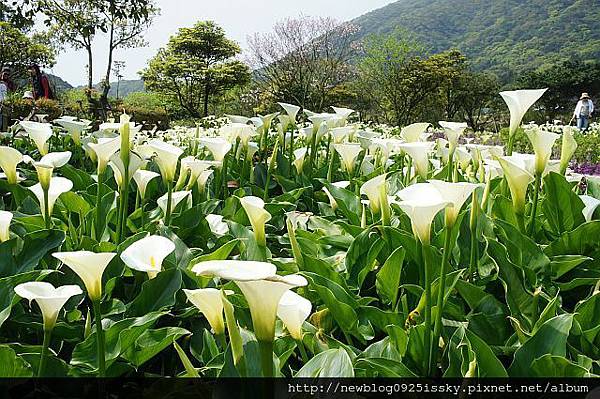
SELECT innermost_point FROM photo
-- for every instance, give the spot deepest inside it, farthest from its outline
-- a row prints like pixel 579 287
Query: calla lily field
pixel 297 244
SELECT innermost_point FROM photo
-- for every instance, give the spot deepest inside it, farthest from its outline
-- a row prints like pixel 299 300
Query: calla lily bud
pixel 569 145
pixel 591 204
pixel 50 299
pixel 89 266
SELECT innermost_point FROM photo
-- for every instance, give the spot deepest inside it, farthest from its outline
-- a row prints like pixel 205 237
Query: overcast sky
pixel 239 18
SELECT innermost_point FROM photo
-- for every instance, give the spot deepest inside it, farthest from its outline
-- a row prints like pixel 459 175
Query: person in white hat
pixel 583 111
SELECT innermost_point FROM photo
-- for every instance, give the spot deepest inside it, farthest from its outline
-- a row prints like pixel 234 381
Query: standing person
pixel 5 77
pixel 40 83
pixel 583 111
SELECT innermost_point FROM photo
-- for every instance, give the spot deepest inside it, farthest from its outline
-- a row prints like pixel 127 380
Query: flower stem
pixel 222 341
pixel 44 353
pixel 266 357
pixel 98 210
pixel 509 147
pixel 536 196
pixel 224 178
pixel 169 203
pixel 332 157
pixel 47 219
pixel 99 339
pixel 441 290
pixel 427 338
pixel 302 349
pixel 474 256
pixel 450 165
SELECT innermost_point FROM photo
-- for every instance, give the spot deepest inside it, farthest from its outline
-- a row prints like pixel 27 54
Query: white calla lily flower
pixel 519 102
pixel 299 155
pixel 348 154
pixel 40 133
pixel 57 186
pixel 419 152
pixel 455 193
pixel 218 146
pixel 453 132
pixel 258 216
pixel 5 219
pixel 339 134
pixel 293 310
pixel 291 111
pixel 9 159
pixel 203 179
pixel 518 178
pixel 167 156
pixel 236 270
pixel 542 142
pixel 208 301
pixel 176 198
pixel 216 224
pixel 147 255
pixel 591 204
pixel 376 190
pixel 89 266
pixel 116 164
pixel 263 297
pixel 74 127
pixel 421 202
pixel 413 132
pixel 104 150
pixel 142 178
pixel 50 299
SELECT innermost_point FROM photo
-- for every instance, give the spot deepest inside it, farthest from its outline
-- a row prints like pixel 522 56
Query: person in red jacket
pixel 40 83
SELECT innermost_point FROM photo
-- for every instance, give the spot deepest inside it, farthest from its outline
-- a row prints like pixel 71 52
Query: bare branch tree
pixel 303 59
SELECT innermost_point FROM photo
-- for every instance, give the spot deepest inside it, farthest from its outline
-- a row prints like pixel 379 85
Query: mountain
pixel 59 84
pixel 125 87
pixel 507 37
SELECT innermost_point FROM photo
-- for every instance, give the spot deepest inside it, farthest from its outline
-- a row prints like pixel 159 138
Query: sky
pixel 239 19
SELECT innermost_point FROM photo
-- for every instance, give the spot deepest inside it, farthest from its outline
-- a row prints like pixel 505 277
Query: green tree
pixel 18 50
pixel 397 79
pixel 196 65
pixel 77 22
pixel 475 97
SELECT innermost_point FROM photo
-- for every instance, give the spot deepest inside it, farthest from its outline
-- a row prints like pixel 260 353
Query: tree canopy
pixel 197 64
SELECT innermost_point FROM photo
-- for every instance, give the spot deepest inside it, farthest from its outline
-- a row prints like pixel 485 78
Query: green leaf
pixel 341 304
pixel 562 264
pixel 550 339
pixel 156 294
pixel 549 366
pixel 348 202
pixel 35 246
pixel 562 207
pixel 581 241
pixel 388 277
pixel 151 343
pixel 330 363
pixel 361 256
pixel 220 253
pixel 381 367
pixel 12 365
pixel 190 370
pixel 522 250
pixel 120 336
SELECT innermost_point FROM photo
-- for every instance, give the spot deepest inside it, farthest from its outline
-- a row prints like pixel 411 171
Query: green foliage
pixel 18 50
pixel 506 38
